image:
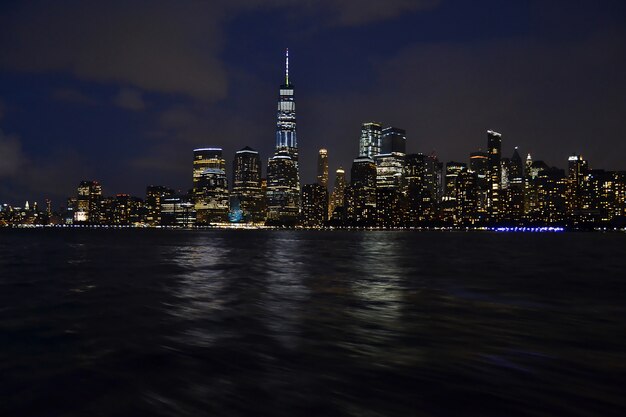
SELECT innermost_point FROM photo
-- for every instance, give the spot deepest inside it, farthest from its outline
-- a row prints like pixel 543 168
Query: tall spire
pixel 287 66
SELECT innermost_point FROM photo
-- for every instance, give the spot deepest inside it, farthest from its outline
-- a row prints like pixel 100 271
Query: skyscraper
pixel 314 205
pixel 449 200
pixel 360 195
pixel 286 139
pixel 390 161
pixel 337 197
pixel 89 203
pixel 322 168
pixel 371 135
pixel 247 195
pixel 210 186
pixel 494 149
pixel 283 179
pixel 577 170
pixel 515 192
pixel 154 197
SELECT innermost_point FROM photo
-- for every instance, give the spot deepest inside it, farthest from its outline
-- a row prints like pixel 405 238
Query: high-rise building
pixel 89 203
pixel 370 142
pixel 578 170
pixel 282 191
pixel 390 162
pixel 479 164
pixel 314 205
pixel 336 206
pixel 494 149
pixel 419 195
pixel 210 186
pixel 515 192
pixel 466 198
pixel 247 196
pixel 125 210
pixel 283 179
pixel 393 141
pixel 360 195
pixel 178 210
pixel 154 196
pixel 449 200
pixel 322 168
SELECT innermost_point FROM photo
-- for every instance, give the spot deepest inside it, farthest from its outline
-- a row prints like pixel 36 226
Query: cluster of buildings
pixel 387 188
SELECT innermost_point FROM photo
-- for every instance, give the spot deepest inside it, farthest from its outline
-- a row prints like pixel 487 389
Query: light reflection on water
pixel 287 323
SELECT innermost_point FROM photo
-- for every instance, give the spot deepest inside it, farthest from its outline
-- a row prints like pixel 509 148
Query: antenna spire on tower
pixel 287 66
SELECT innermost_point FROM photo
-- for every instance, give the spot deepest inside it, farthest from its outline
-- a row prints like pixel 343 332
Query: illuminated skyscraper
pixel 466 198
pixel 479 164
pixel 154 197
pixel 576 186
pixel 247 196
pixel 89 203
pixel 336 206
pixel 314 205
pixel 515 192
pixel 322 168
pixel 390 162
pixel 371 136
pixel 286 139
pixel 283 179
pixel 360 195
pixel 494 146
pixel 449 201
pixel 210 186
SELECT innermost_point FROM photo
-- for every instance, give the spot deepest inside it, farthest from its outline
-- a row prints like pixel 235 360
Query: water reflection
pixel 284 291
pixel 200 293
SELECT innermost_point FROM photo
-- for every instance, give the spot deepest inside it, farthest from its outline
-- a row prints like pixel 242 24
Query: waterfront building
pixel 336 206
pixel 515 191
pixel 178 211
pixel 314 205
pixel 125 210
pixel 390 207
pixel 247 195
pixel 154 195
pixel 283 179
pixel 531 190
pixel 449 200
pixel 479 164
pixel 88 203
pixel 360 194
pixel 494 200
pixel 466 198
pixel 210 186
pixel 577 205
pixel 550 184
pixel 420 195
pixel 322 168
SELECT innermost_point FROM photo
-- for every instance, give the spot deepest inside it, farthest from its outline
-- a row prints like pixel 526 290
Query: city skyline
pixel 443 71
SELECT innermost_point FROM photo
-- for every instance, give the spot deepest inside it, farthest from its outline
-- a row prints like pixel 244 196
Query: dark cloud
pixel 157 45
pixel 73 95
pixel 130 99
pixel 11 157
pixel 161 46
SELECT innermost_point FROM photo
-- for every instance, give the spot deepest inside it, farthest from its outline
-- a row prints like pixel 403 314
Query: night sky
pixel 122 92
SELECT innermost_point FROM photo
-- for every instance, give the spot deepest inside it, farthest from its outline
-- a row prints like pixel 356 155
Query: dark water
pixel 295 323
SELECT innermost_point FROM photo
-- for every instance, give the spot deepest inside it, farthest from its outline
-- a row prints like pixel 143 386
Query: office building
pixel 247 197
pixel 370 141
pixel 322 168
pixel 210 186
pixel 283 178
pixel 314 205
